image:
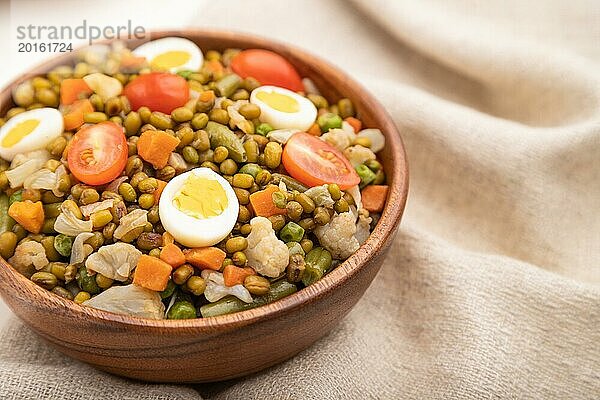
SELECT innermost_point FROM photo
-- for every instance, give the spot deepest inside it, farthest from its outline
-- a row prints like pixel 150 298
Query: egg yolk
pixel 279 102
pixel 170 59
pixel 201 198
pixel 19 131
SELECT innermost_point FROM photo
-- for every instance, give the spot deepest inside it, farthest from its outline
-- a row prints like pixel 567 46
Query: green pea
pixel 250 111
pixel 307 245
pixel 236 244
pixel 279 199
pixel 145 114
pixel 329 121
pixel 263 177
pixel 252 150
pixel 308 205
pixel 148 185
pixel 62 244
pixel 321 216
pixel 366 175
pixel 182 310
pixel 8 243
pixel 294 210
pixel 273 153
pixel 240 94
pixel 94 117
pixel 146 201
pixel 242 195
pixel 128 192
pixel 132 123
pixel 263 129
pixel 161 121
pixel 195 285
pixel 182 114
pixel 168 292
pixel 318 100
pixel 62 292
pixel 199 120
pixel 291 232
pixel 87 282
pixel 220 154
pixel 346 108
pixel 243 181
pixel 51 253
pixel 228 167
pixel 101 218
pixel 239 259
pixel 44 279
pixel 334 191
pixel 341 206
pixel 113 106
pixel 219 115
pixel 89 196
pixel 190 155
pixel 250 169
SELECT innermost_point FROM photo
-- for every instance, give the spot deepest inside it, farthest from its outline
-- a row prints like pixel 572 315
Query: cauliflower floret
pixel 338 236
pixel 363 228
pixel 338 138
pixel 30 253
pixel 216 288
pixel 268 255
pixel 358 154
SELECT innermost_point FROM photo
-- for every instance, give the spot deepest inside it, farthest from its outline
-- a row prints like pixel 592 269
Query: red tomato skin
pixel 113 139
pixel 159 91
pixel 307 169
pixel 268 68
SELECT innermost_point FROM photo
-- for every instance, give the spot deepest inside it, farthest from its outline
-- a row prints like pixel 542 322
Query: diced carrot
pixel 172 255
pixel 73 113
pixel 155 147
pixel 152 273
pixel 159 190
pixel 355 123
pixel 262 202
pixel 214 66
pixel 168 238
pixel 206 96
pixel 233 275
pixel 373 197
pixel 28 214
pixel 205 257
pixel 314 130
pixel 72 90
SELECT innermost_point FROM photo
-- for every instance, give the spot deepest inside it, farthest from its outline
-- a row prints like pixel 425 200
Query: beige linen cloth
pixel 491 288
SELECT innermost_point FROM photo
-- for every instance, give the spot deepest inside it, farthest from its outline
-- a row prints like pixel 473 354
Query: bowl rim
pixel 379 239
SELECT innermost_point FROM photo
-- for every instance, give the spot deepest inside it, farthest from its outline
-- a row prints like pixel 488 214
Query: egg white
pixel 156 47
pixel 196 232
pixel 49 128
pixel 302 119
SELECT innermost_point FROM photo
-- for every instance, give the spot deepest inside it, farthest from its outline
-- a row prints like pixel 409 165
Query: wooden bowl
pixel 229 346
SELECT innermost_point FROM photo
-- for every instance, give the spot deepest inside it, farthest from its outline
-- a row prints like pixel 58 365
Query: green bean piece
pixel 230 304
pixel 329 121
pixel 250 169
pixel 316 263
pixel 182 310
pixel 366 175
pixel 263 129
pixel 87 282
pixel 168 292
pixel 291 232
pixel 6 222
pixel 290 183
pixel 220 135
pixel 227 85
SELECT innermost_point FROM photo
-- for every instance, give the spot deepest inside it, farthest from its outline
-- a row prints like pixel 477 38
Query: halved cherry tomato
pixel 73 113
pixel 158 91
pixel 315 162
pixel 98 153
pixel 72 90
pixel 268 68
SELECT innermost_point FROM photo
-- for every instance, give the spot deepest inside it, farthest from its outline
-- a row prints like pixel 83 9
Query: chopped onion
pixel 114 185
pixel 68 224
pixel 103 85
pixel 216 288
pixel 135 219
pixel 25 165
pixel 129 300
pixel 97 206
pixel 77 250
pixel 41 179
pixel 59 173
pixel 176 161
pixel 375 136
pixel 309 86
pixel 354 191
pixel 282 135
